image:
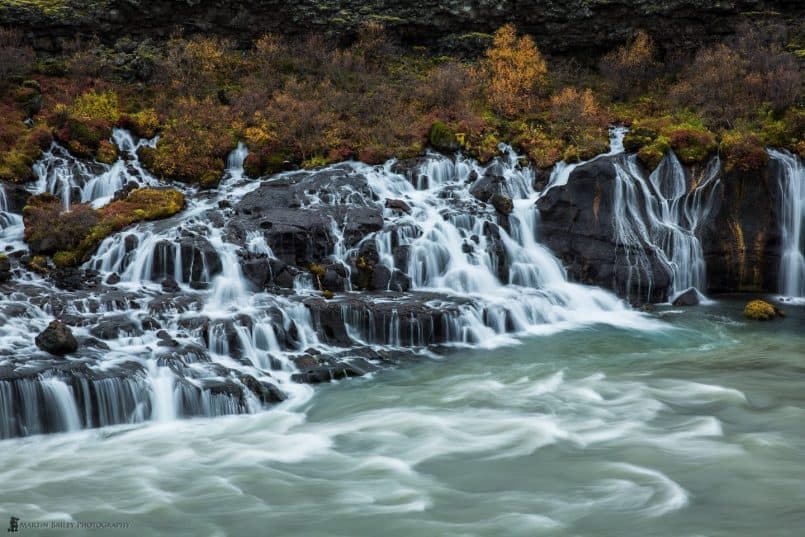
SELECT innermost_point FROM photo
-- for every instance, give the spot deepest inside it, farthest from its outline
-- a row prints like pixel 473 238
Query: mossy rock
pixel 72 236
pixel 760 310
pixel 743 151
pixel 638 137
pixel 651 155
pixel 146 154
pixel 692 143
pixel 442 138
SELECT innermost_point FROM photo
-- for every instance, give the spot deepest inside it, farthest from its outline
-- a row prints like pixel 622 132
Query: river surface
pixel 695 429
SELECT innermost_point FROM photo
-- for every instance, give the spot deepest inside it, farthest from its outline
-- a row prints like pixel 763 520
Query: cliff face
pixel 559 26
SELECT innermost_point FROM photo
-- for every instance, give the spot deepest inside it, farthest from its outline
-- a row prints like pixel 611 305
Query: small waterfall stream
pixel 791 181
pixel 661 215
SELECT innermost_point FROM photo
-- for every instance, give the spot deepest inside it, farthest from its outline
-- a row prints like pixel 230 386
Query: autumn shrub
pixel 743 151
pixel 16 59
pixel 200 67
pixel 542 149
pixel 787 131
pixel 514 72
pixel 194 143
pixel 578 119
pixel 20 146
pixel 144 124
pixel 727 82
pixel 87 122
pixel 630 68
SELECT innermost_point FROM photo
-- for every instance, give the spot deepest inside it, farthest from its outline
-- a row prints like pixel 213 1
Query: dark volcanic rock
pixel 742 244
pixel 264 391
pixel 490 184
pixel 502 204
pixel 299 231
pixel 398 205
pixel 458 26
pixel 5 269
pixel 577 224
pixel 115 327
pixel 57 339
pixel 169 285
pixel 688 298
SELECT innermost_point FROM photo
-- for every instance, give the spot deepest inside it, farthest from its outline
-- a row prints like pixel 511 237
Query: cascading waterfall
pixel 661 215
pixel 221 345
pixel 74 180
pixel 11 226
pixel 791 181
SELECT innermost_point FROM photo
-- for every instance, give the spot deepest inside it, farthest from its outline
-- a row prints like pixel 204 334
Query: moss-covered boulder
pixel 760 310
pixel 49 228
pixel 442 138
pixel 71 236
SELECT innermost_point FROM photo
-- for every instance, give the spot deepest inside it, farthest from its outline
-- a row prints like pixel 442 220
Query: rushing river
pixel 696 428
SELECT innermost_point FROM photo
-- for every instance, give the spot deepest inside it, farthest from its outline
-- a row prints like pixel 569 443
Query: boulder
pixel 398 205
pixel 169 285
pixel 759 310
pixel 57 339
pixel 5 269
pixel 491 183
pixel 687 298
pixel 502 204
pixel 577 224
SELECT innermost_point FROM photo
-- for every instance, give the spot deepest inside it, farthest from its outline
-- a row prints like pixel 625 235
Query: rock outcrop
pixel 457 26
pixel 577 222
pixel 740 234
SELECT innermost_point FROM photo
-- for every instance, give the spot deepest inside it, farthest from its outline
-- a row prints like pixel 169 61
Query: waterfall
pixel 74 180
pixel 11 226
pixel 791 181
pixel 661 216
pixel 176 328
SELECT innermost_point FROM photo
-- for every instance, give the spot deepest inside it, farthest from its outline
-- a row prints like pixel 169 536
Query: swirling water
pixel 696 430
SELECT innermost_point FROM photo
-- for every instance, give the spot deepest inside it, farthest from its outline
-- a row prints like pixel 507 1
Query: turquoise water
pixel 696 429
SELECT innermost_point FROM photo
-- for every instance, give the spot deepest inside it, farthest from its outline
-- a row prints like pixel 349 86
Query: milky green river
pixel 696 429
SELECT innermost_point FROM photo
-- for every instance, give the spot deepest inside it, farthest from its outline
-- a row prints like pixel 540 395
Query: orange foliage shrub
pixel 513 71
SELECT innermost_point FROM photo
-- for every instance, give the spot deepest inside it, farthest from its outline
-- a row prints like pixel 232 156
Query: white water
pixel 662 214
pixel 792 186
pixel 74 180
pixel 504 286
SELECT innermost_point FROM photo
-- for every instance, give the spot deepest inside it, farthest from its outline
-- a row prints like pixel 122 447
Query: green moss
pixel 652 153
pixel 72 236
pixel 317 270
pixel 315 162
pixel 692 143
pixel 743 151
pixel 443 138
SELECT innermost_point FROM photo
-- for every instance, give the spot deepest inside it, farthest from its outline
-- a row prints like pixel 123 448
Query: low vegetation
pixel 71 236
pixel 306 102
